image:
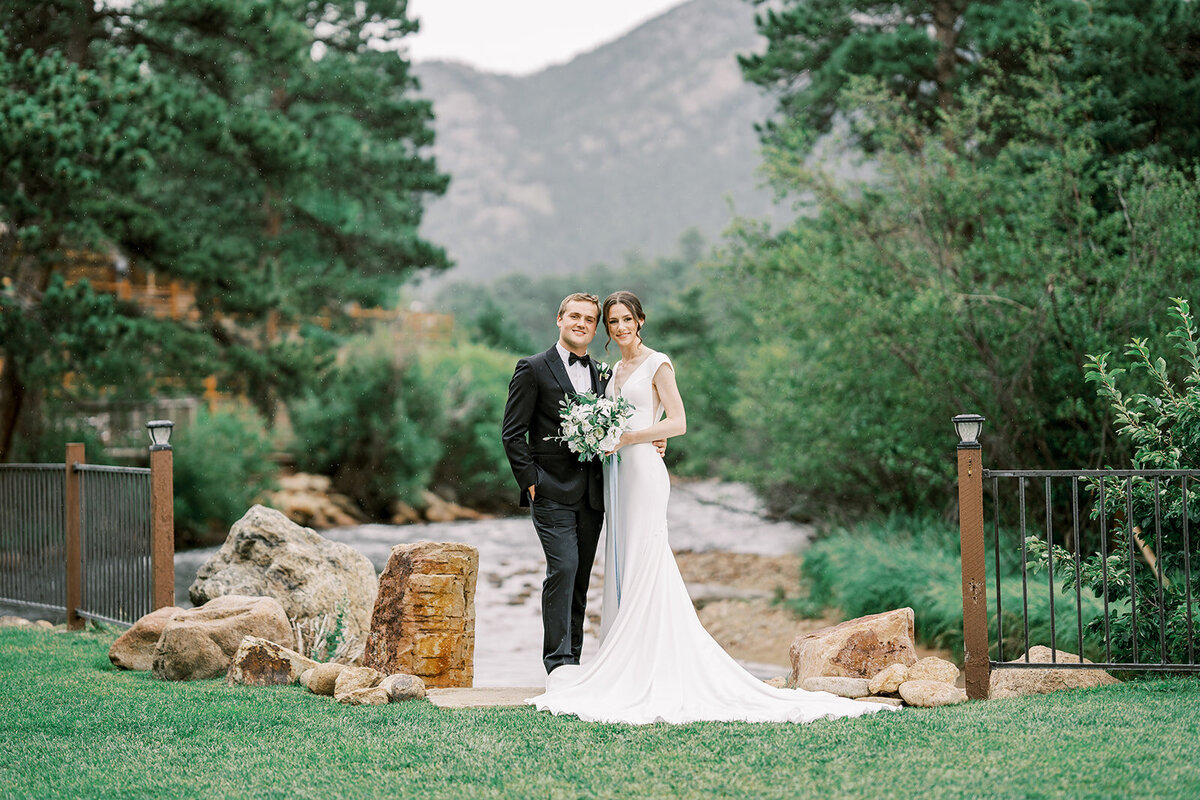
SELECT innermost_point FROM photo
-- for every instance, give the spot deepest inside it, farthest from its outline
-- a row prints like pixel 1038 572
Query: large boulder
pixel 259 662
pixel 134 649
pixel 313 578
pixel 1021 682
pixel 424 620
pixel 201 642
pixel 857 648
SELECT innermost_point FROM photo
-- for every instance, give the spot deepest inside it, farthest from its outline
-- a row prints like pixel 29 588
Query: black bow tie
pixel 583 359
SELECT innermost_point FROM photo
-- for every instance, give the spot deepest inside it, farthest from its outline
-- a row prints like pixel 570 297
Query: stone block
pixel 424 619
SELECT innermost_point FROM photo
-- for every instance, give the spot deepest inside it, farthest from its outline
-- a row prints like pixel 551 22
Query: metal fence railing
pixel 115 539
pixel 32 536
pixel 1100 564
pixel 90 541
pixel 1135 556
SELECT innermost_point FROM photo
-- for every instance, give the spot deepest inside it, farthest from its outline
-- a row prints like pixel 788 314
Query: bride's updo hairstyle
pixel 630 301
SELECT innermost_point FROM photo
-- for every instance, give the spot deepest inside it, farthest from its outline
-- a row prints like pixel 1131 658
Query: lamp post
pixel 974 576
pixel 162 513
pixel 73 530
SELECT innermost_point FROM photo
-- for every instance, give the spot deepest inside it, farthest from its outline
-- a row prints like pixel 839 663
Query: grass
pixel 76 727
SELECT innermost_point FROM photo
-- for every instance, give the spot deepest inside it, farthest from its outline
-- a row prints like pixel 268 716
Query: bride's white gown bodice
pixel 656 662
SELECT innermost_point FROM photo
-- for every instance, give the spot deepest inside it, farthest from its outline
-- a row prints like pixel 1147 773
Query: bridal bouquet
pixel 592 425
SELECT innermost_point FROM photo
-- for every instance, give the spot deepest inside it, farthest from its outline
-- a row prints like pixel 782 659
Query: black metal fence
pixel 1105 556
pixel 85 540
pixel 115 539
pixel 33 536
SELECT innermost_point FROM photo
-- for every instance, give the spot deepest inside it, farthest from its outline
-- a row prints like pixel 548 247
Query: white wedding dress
pixel 656 662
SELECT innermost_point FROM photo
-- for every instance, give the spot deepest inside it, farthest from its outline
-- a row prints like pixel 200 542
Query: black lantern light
pixel 160 433
pixel 968 426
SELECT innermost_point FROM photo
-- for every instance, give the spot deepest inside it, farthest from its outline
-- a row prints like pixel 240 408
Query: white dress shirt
pixel 580 374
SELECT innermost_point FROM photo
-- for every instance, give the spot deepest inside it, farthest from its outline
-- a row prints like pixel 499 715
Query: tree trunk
pixel 29 284
pixel 83 22
pixel 946 16
pixel 12 395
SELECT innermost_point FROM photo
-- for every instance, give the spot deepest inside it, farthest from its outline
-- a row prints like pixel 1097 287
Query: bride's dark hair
pixel 630 301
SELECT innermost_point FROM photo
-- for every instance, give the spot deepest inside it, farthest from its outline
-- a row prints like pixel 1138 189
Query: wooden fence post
pixel 75 455
pixel 974 575
pixel 162 523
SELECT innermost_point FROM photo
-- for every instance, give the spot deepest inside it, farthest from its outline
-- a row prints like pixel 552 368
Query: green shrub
pixel 371 424
pixel 1164 429
pixel 472 387
pixel 222 464
pixel 386 426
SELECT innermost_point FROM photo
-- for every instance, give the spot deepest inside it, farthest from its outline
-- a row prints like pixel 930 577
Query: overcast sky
pixel 522 36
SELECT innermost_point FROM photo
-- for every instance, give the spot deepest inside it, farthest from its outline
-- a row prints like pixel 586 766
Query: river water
pixel 702 516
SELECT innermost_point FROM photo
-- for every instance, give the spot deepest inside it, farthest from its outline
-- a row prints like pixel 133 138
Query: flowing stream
pixel 703 516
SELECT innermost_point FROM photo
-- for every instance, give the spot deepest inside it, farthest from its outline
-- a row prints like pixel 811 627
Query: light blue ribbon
pixel 613 460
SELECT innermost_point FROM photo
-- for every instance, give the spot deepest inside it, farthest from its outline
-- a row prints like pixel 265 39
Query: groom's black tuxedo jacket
pixel 533 412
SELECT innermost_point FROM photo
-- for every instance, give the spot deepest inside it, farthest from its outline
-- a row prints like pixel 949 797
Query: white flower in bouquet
pixel 610 441
pixel 592 425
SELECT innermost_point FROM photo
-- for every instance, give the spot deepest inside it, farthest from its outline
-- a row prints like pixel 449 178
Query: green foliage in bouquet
pixel 1150 570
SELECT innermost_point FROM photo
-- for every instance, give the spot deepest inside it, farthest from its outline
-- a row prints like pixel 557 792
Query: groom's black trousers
pixel 569 534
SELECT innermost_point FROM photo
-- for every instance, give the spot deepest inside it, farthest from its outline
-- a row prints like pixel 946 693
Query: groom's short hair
pixel 582 296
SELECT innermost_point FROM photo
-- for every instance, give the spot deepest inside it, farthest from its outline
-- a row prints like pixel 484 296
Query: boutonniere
pixel 604 371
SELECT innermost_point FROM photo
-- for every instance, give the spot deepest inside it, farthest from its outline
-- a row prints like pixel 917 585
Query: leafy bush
pixel 472 387
pixel 912 561
pixel 385 426
pixel 222 464
pixel 969 271
pixel 1164 429
pixel 370 423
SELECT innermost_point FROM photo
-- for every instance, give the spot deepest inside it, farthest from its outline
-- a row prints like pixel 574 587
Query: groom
pixel 566 495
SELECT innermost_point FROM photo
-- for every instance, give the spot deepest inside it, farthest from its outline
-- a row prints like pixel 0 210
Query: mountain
pixel 622 149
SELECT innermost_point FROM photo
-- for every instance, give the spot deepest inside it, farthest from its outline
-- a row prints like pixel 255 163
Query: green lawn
pixel 75 727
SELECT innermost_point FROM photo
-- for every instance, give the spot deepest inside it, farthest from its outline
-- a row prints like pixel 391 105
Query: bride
pixel 656 662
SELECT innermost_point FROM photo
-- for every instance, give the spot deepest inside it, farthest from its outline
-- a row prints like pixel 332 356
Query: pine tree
pixel 269 154
pixel 1139 58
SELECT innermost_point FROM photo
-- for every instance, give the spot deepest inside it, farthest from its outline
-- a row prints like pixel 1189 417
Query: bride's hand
pixel 624 440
